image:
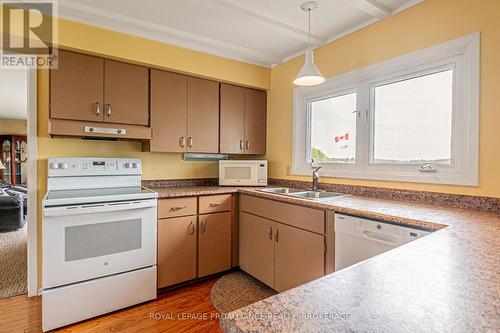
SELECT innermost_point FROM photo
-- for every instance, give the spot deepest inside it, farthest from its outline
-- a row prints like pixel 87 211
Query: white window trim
pixel 462 53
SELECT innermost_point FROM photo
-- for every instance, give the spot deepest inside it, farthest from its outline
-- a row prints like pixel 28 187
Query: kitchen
pixel 193 107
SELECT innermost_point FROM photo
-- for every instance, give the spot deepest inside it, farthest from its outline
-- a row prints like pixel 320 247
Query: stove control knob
pixel 134 165
pixel 54 165
pixel 128 165
pixel 63 165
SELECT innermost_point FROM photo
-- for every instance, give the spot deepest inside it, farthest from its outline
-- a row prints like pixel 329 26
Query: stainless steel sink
pixel 317 195
pixel 281 190
pixel 300 193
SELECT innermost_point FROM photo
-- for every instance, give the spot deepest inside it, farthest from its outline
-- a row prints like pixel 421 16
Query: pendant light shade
pixel 309 75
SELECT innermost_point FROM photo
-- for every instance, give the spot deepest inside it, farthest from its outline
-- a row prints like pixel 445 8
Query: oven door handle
pixel 97 208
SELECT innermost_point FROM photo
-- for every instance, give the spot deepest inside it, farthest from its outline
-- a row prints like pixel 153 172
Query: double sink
pixel 303 194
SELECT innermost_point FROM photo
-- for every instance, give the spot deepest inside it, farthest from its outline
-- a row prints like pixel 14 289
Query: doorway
pixel 18 183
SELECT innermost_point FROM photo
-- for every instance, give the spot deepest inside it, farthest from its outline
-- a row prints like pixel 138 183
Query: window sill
pixel 444 178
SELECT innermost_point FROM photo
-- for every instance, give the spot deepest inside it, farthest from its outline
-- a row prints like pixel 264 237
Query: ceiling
pixel 263 32
pixel 13 94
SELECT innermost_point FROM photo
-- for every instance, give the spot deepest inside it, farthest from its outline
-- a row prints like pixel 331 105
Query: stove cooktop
pixel 83 196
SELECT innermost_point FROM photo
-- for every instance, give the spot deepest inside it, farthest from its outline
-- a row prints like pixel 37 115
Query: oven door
pixel 89 241
pixel 239 174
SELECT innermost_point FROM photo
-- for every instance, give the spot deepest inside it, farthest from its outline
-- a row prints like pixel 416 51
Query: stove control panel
pixel 63 167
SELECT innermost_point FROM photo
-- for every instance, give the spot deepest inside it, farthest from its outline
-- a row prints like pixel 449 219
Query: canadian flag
pixel 342 137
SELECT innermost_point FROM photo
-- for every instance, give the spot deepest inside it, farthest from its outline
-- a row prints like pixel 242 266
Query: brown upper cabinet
pixel 202 116
pixel 243 120
pixel 168 112
pixel 232 119
pixel 77 87
pixel 89 88
pixel 184 113
pixel 126 93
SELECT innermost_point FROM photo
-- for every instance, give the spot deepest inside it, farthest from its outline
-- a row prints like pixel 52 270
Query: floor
pixel 187 309
pixel 13 262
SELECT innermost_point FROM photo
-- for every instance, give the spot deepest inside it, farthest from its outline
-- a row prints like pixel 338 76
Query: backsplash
pixel 486 204
pixel 181 182
pixel 442 199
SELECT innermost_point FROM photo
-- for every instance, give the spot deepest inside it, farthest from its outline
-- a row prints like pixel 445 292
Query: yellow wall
pixel 427 24
pixel 13 126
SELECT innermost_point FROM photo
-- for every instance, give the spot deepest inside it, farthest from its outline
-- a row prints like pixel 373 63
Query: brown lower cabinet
pixel 193 246
pixel 280 255
pixel 214 243
pixel 299 256
pixel 257 247
pixel 176 250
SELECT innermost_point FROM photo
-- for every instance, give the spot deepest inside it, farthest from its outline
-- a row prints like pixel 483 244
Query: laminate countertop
pixel 448 281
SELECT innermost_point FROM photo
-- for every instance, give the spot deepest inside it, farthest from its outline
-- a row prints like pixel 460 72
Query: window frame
pixel 461 55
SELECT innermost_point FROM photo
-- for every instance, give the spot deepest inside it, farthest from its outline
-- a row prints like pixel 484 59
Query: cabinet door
pixel 126 93
pixel 76 87
pixel 255 121
pixel 176 250
pixel 214 246
pixel 168 111
pixel 257 247
pixel 299 256
pixel 232 119
pixel 203 116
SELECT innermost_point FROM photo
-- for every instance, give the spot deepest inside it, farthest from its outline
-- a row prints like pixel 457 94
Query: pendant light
pixel 309 75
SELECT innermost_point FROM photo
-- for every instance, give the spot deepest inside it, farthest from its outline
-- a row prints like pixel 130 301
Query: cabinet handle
pixel 97 109
pixel 241 144
pixel 270 233
pixel 248 144
pixel 174 208
pixel 276 234
pixel 190 142
pixel 182 142
pixel 109 109
pixel 191 228
pixel 202 226
pixel 215 204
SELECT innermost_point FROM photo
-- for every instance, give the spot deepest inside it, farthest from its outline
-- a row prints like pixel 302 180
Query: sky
pixel 412 121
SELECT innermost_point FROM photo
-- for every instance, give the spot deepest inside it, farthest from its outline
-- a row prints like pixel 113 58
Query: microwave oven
pixel 242 173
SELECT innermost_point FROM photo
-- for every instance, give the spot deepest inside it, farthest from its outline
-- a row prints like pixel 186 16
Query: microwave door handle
pixel 97 208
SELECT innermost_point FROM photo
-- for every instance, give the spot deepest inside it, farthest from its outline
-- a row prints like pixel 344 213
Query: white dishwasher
pixel 357 239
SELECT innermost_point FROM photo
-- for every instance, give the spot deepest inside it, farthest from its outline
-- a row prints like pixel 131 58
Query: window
pixel 413 118
pixel 333 129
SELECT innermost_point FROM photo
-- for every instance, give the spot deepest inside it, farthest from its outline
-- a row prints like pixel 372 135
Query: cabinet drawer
pixel 176 207
pixel 215 203
pixel 297 216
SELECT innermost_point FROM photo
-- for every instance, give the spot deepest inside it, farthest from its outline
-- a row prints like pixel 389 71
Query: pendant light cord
pixel 309 11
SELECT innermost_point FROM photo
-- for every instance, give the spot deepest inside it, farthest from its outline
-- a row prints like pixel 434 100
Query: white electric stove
pixel 98 239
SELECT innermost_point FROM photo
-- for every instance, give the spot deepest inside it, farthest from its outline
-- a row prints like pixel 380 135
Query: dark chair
pixel 22 192
pixel 11 212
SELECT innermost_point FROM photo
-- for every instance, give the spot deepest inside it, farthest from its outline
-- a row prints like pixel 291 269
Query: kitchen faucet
pixel 315 176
